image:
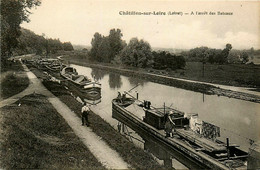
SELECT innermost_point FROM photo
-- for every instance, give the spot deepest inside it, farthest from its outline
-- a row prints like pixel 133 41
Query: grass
pixel 133 155
pixel 13 79
pixel 35 136
pixel 229 74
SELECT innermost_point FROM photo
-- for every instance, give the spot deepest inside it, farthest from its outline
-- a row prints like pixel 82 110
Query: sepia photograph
pixel 120 84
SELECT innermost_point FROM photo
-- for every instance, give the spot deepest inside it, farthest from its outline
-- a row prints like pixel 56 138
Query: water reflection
pixel 115 81
pixel 135 81
pixel 97 74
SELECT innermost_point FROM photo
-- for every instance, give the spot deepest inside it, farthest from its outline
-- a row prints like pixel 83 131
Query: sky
pixel 78 20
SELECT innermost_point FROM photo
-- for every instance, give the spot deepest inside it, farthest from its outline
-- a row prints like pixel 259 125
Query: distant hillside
pixel 80 47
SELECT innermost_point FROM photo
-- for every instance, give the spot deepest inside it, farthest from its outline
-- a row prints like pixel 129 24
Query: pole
pixel 164 107
pixel 203 65
pixel 228 152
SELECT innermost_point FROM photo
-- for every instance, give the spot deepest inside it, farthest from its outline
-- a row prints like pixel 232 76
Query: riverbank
pixel 168 80
pixel 35 136
pixel 136 157
pixel 13 79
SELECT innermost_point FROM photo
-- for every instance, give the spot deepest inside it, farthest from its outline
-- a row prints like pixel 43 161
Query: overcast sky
pixel 77 21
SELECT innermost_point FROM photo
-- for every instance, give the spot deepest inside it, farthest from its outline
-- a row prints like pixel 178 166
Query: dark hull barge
pixel 193 150
pixel 80 84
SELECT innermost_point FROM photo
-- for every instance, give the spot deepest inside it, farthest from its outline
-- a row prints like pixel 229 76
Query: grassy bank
pixel 13 79
pixel 35 136
pixel 245 75
pixel 134 156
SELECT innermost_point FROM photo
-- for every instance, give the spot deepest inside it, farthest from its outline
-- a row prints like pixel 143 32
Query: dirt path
pixel 108 157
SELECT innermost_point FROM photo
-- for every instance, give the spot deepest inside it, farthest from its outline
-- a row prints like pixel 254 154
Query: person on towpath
pixel 85 112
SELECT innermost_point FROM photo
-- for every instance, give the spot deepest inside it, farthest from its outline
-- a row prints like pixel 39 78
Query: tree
pixel 233 56
pixel 163 60
pixel 137 53
pixel 223 57
pixel 198 53
pixel 115 42
pixel 213 55
pixel 104 50
pixel 67 46
pixel 95 42
pixel 13 13
pixel 54 45
pixel 244 57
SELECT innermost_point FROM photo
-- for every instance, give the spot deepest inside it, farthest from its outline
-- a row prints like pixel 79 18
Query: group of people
pixel 121 98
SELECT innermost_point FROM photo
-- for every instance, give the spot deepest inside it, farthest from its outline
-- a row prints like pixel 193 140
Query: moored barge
pixel 200 148
pixel 82 85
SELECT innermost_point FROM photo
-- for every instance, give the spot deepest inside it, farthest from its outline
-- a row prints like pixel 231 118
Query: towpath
pixel 108 157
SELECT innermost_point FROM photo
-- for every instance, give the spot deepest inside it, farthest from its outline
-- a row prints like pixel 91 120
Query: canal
pixel 238 120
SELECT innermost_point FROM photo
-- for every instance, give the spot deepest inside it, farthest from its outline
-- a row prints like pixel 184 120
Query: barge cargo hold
pixel 193 150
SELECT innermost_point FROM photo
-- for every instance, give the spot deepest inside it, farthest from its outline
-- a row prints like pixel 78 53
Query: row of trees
pixel 29 42
pixel 137 53
pixel 163 60
pixel 16 40
pixel 205 54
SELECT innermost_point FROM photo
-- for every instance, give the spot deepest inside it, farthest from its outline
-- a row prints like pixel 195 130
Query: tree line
pixel 16 40
pixel 137 53
pixel 218 56
pixel 29 42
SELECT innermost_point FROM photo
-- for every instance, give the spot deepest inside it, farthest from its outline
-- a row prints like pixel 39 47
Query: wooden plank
pixel 201 141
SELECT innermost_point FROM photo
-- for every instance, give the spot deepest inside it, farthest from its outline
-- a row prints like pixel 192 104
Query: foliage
pixel 29 42
pixel 224 54
pixel 54 45
pixel 234 56
pixel 163 60
pixel 13 13
pixel 244 57
pixel 213 55
pixel 205 54
pixel 116 43
pixel 104 49
pixel 95 42
pixel 198 53
pixel 67 46
pixel 137 53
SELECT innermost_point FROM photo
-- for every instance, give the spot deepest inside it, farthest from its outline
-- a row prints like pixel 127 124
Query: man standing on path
pixel 85 112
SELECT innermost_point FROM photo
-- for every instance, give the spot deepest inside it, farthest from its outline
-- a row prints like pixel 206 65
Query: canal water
pixel 238 120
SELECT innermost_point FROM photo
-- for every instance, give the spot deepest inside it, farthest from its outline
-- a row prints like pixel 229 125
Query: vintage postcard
pixel 119 84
